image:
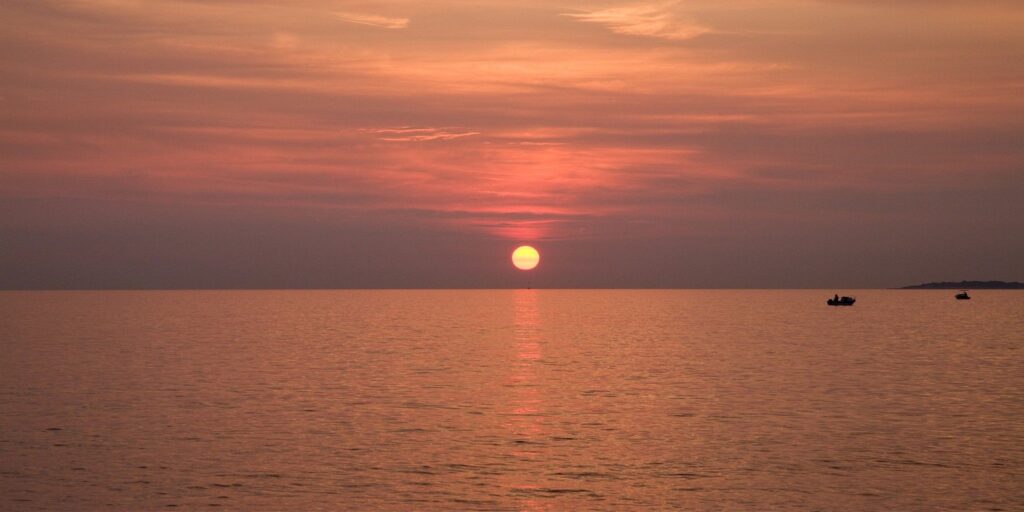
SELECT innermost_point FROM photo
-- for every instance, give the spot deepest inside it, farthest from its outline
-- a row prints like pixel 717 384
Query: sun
pixel 525 257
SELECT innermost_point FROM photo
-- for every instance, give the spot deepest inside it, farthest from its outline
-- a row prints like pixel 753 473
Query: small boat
pixel 841 301
pixel 963 295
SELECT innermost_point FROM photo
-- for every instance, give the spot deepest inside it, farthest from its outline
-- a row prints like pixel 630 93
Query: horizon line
pixel 912 288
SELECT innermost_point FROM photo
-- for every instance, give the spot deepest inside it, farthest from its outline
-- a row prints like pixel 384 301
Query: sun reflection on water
pixel 526 407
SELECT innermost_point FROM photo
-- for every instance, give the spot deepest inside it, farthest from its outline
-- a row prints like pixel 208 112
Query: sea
pixel 517 400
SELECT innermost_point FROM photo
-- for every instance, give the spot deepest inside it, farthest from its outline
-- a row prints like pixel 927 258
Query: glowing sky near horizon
pixel 176 143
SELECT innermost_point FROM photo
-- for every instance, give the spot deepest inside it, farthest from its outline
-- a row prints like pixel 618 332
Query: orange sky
pixel 669 141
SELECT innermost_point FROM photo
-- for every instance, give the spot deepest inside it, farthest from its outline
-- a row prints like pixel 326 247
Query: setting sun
pixel 525 257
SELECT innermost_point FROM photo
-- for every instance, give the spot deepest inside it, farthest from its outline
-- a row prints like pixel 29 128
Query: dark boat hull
pixel 832 302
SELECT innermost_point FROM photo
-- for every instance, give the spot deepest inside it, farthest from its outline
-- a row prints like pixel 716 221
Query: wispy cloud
pixel 410 134
pixel 373 20
pixel 652 20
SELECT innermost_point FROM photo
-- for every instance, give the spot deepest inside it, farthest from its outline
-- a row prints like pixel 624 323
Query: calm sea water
pixel 511 400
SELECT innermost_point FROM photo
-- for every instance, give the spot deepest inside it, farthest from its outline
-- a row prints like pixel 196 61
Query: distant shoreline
pixel 967 285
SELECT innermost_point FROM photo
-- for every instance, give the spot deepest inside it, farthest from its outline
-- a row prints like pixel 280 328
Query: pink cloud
pixel 661 20
pixel 407 134
pixel 373 20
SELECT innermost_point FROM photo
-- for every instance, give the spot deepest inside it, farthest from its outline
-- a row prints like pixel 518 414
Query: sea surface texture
pixel 511 400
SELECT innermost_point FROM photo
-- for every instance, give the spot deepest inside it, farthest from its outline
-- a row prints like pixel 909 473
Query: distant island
pixel 968 285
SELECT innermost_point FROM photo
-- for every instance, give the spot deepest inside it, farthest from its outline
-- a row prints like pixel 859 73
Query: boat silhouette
pixel 841 301
pixel 962 295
